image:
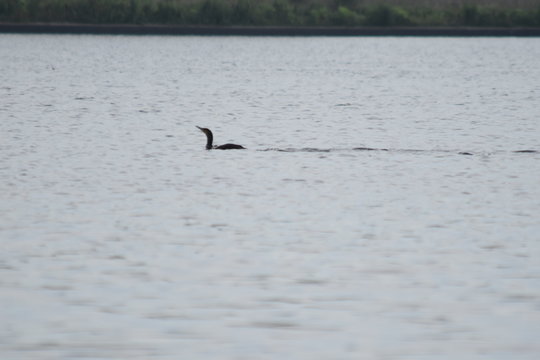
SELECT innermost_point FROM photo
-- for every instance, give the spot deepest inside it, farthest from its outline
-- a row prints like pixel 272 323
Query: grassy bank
pixel 502 13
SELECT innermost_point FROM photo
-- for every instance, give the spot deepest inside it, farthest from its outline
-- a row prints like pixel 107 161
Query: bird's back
pixel 229 147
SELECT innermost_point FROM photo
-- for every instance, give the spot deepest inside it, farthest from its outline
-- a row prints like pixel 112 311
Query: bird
pixel 210 140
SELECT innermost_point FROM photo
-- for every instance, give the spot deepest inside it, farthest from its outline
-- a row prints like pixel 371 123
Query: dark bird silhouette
pixel 210 140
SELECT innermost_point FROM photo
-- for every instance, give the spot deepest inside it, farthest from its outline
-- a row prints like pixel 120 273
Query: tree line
pixel 275 12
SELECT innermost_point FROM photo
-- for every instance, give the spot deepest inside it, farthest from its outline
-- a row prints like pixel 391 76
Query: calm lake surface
pixel 122 238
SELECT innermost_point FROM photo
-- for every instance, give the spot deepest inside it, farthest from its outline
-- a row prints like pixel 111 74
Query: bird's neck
pixel 209 140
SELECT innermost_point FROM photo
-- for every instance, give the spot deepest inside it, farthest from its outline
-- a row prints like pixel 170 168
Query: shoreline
pixel 131 29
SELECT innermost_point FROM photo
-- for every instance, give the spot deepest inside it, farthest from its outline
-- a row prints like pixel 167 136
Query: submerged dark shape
pixel 210 140
pixel 369 149
pixel 526 151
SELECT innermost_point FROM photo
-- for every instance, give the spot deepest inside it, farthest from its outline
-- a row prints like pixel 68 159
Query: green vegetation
pixel 502 13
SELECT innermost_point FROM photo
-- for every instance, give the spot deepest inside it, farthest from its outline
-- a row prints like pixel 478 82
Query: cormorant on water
pixel 210 140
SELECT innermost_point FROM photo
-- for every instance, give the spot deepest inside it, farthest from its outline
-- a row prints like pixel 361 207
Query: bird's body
pixel 210 140
pixel 228 147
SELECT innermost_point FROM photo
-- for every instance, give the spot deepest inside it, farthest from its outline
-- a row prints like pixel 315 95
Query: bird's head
pixel 204 130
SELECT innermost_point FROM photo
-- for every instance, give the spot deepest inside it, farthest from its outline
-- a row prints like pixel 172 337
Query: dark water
pixel 381 210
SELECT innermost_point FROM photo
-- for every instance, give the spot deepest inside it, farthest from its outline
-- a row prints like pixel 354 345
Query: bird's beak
pixel 200 128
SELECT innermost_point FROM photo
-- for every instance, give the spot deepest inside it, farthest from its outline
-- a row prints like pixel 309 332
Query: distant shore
pixel 123 29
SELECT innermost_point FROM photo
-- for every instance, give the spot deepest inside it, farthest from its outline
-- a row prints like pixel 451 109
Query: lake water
pixel 123 238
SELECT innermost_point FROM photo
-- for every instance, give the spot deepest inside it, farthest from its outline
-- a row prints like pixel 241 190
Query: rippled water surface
pixel 123 238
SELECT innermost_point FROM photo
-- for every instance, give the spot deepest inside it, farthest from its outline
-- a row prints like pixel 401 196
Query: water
pixel 123 238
